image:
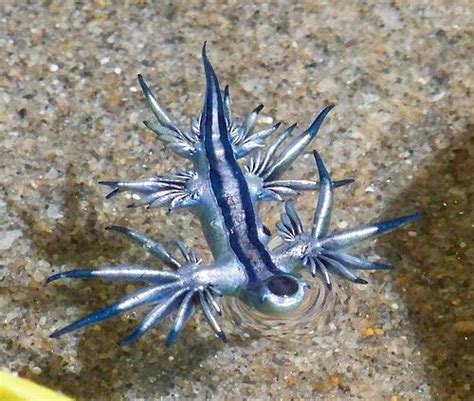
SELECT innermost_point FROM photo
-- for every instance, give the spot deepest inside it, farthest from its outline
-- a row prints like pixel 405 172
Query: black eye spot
pixel 283 286
pixel 266 230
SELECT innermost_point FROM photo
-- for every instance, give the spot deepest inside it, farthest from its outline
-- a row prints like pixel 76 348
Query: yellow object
pixel 14 388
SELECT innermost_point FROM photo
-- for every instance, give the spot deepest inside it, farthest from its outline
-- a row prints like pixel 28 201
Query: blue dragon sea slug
pixel 223 193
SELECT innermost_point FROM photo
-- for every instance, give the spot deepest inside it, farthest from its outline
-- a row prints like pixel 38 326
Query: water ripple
pixel 313 314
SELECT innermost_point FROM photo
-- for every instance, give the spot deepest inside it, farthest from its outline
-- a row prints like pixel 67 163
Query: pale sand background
pixel 70 111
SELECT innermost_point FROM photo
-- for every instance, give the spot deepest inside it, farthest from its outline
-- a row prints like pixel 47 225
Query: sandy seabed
pixel 401 75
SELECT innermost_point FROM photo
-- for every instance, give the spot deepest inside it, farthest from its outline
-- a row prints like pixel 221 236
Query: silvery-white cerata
pixel 223 193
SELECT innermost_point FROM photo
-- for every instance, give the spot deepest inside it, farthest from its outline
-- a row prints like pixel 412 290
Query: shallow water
pixel 70 112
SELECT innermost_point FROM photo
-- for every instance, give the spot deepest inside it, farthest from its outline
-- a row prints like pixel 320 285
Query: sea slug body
pixel 223 193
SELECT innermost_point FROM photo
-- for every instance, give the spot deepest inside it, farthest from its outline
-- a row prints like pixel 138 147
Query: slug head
pixel 280 294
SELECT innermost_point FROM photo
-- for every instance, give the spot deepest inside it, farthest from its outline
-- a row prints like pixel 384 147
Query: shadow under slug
pixel 435 269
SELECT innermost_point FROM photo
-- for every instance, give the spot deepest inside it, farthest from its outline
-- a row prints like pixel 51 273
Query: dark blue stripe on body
pixel 219 186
